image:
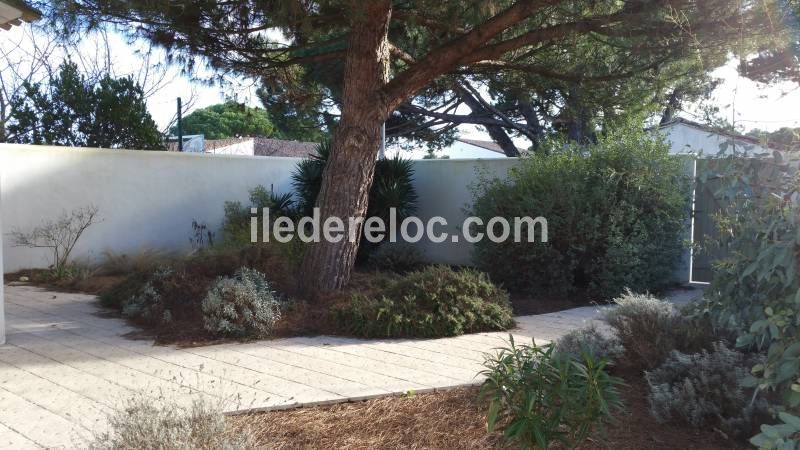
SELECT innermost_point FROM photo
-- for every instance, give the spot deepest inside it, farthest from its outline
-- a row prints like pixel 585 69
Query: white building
pixel 684 137
pixel 690 138
pixel 459 149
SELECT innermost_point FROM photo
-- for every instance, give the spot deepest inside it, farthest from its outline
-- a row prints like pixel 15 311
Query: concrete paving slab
pixel 66 367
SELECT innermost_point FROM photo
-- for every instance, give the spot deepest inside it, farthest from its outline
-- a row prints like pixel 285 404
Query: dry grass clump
pixel 441 420
pixel 123 264
pixel 145 425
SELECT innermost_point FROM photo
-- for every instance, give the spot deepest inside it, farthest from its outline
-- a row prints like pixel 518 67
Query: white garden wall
pixel 444 189
pixel 145 199
pixel 149 199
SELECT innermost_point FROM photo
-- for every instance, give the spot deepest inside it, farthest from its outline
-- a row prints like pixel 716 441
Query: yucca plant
pixel 392 186
pixel 307 178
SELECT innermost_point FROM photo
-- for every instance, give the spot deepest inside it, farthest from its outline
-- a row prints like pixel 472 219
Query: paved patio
pixel 65 368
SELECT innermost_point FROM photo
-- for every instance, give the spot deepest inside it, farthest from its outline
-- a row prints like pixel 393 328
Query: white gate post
pixel 2 303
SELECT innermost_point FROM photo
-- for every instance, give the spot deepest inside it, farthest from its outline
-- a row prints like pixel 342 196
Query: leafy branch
pixel 60 236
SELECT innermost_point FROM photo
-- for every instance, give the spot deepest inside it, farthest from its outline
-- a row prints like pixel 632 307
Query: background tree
pixel 784 138
pixel 19 65
pixel 386 52
pixel 69 110
pixel 29 53
pixel 306 116
pixel 777 58
pixel 227 120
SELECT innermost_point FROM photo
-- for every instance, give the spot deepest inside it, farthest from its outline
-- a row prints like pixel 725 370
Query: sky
pixel 744 102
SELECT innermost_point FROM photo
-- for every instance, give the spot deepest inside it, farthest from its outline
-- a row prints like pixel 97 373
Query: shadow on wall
pixel 149 199
pixel 145 199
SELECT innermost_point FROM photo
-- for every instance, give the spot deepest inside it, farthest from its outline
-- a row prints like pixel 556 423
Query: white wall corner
pixel 2 301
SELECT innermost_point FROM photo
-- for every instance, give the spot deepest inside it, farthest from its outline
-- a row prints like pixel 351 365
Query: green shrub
pixel 144 260
pixel 242 305
pixel 601 346
pixel 168 300
pixel 754 290
pixel 392 187
pixel 540 399
pixel 704 390
pixel 307 178
pixel 650 329
pixel 616 213
pixel 783 435
pixel 396 257
pixel 143 424
pixel 146 304
pixel 236 222
pixel 115 296
pixel 433 302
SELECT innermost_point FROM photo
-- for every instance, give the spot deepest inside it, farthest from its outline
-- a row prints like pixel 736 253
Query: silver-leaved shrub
pixel 243 305
pixel 705 390
pixel 599 344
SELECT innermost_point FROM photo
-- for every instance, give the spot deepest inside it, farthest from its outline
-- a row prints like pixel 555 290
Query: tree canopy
pixel 777 58
pixel 227 120
pixel 69 110
pixel 593 60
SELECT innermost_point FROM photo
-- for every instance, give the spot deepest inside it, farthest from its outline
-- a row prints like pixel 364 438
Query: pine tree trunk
pixel 348 175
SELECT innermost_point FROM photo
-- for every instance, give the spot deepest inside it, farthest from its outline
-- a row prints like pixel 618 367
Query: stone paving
pixel 65 368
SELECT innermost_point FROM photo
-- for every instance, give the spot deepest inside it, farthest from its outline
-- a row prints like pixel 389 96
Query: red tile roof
pixel 280 147
pixel 488 145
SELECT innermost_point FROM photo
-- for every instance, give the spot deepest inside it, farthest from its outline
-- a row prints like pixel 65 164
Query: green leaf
pixel 790 419
pixel 760 440
pixel 492 415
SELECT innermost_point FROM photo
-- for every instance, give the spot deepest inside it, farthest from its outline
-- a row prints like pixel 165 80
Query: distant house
pixel 260 146
pixel 247 146
pixel 14 12
pixel 460 149
pixel 280 147
pixel 686 137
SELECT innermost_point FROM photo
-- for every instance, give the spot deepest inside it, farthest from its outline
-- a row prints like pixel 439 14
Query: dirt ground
pixel 455 420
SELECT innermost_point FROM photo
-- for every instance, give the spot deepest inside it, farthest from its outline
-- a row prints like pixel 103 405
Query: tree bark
pixel 348 175
pixel 3 118
pixel 532 119
pixel 496 132
pixel 672 107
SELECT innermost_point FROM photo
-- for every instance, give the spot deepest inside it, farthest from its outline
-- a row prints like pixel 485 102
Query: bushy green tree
pixel 784 138
pixel 616 212
pixel 227 120
pixel 777 58
pixel 70 110
pixel 300 118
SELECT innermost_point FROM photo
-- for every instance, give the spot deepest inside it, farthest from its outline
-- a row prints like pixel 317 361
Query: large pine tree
pixel 381 53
